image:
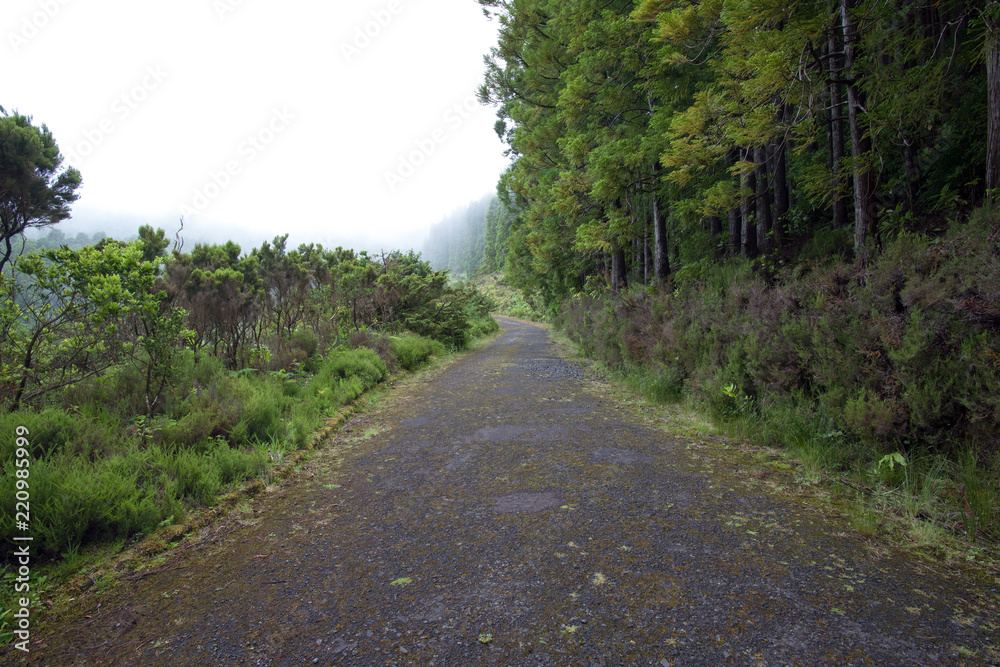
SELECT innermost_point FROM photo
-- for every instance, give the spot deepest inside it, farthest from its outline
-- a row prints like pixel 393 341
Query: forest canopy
pixel 647 135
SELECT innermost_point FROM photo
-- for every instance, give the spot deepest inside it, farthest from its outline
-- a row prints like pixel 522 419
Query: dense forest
pixel 472 240
pixel 782 212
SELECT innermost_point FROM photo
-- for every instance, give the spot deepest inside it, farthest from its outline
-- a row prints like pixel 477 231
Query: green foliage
pixel 362 364
pixel 80 313
pixel 150 384
pixel 412 352
pixel 509 301
pixel 35 192
pixel 853 369
pixel 57 432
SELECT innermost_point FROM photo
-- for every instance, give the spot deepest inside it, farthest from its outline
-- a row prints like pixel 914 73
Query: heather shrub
pixel 306 340
pixel 902 355
pixel 482 325
pixel 57 431
pixel 196 479
pixel 234 465
pixel 75 502
pixel 188 431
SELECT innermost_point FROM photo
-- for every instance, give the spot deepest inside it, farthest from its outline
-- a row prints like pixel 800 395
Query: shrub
pixel 56 431
pixel 263 409
pixel 306 340
pixel 361 363
pixel 840 362
pixel 412 352
pixel 381 345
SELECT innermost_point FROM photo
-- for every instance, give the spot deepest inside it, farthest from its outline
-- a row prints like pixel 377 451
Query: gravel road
pixel 507 510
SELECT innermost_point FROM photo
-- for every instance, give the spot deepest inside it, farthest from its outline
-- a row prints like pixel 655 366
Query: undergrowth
pixel 508 300
pixel 99 476
pixel 883 379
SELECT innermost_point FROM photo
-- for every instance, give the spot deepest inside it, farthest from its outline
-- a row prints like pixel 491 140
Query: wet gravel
pixel 509 512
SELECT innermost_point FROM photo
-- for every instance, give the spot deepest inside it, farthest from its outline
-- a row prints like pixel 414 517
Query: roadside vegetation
pixel 781 214
pixel 509 301
pixel 882 380
pixel 153 383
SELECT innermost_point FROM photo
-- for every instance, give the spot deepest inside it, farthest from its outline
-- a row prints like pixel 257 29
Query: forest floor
pixel 508 509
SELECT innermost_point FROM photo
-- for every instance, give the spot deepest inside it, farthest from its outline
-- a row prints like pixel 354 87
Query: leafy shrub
pixel 361 363
pixel 55 431
pixel 412 352
pixel 306 340
pixel 381 345
pixel 261 417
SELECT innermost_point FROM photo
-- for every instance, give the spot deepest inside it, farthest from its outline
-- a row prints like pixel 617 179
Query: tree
pixel 33 191
pixel 991 16
pixel 71 321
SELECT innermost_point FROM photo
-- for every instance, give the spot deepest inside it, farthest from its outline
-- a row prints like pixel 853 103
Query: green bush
pixel 235 465
pixel 381 345
pixel 261 419
pixel 412 352
pixel 56 431
pixel 841 363
pixel 306 340
pixel 196 479
pixel 360 363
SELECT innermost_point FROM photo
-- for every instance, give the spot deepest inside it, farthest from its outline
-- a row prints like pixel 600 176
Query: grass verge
pixel 316 406
pixel 924 504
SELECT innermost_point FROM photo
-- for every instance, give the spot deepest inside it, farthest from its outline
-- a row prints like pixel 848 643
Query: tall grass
pixel 99 473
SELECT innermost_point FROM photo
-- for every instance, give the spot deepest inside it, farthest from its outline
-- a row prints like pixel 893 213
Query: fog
pixel 352 125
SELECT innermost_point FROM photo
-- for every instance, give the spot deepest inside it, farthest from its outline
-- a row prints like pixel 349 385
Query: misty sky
pixel 343 123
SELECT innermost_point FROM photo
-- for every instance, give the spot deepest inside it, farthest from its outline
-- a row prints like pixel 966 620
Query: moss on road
pixel 508 511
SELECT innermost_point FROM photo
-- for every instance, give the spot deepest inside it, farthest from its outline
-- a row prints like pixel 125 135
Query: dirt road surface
pixel 508 511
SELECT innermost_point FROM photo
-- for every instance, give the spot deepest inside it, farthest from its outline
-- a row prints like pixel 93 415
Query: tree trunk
pixel 647 257
pixel 779 168
pixel 993 100
pixel 837 132
pixel 8 251
pixel 715 229
pixel 661 260
pixel 763 201
pixel 865 211
pixel 782 199
pixel 912 167
pixel 747 212
pixel 735 227
pixel 619 270
pixel 733 215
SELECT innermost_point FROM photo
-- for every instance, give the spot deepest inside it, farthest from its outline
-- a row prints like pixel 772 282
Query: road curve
pixel 508 511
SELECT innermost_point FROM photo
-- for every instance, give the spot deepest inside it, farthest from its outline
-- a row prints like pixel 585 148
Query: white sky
pixel 257 117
